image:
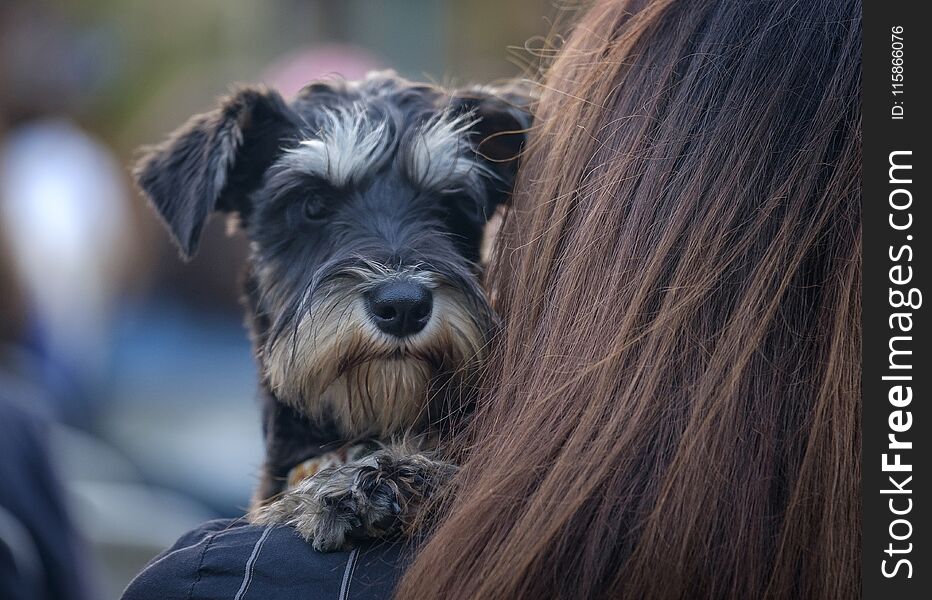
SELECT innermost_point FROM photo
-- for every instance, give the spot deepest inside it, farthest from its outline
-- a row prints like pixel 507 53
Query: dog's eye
pixel 314 210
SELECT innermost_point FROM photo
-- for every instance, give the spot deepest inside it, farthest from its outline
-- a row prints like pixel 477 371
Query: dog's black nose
pixel 400 308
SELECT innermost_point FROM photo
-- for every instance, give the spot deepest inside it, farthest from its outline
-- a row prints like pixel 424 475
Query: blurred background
pixel 138 364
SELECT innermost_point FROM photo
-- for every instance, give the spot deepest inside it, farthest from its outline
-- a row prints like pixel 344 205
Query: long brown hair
pixel 674 408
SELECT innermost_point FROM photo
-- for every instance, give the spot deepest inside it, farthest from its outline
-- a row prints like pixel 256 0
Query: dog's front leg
pixel 377 496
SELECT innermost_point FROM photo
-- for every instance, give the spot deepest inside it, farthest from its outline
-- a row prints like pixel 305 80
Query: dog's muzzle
pixel 369 342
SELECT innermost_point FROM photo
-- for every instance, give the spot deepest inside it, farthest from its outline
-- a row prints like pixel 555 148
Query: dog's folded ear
pixel 212 162
pixel 503 120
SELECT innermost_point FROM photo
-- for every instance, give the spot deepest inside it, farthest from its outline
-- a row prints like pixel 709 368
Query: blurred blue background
pixel 141 361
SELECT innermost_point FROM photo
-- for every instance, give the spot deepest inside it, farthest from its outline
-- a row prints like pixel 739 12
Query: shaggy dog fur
pixel 360 200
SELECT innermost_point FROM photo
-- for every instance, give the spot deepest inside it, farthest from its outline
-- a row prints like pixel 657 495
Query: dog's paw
pixel 321 508
pixel 375 497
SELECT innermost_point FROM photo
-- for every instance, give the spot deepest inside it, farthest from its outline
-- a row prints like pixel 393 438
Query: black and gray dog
pixel 365 204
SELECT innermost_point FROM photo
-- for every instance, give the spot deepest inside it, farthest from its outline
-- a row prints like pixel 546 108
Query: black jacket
pixel 41 555
pixel 232 560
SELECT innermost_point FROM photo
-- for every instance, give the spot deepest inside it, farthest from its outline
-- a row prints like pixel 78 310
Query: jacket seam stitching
pixel 200 563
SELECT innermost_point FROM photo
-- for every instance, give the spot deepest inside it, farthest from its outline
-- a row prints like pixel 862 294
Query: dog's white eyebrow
pixel 440 157
pixel 349 145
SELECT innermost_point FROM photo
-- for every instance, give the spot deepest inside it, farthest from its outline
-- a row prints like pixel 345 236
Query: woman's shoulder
pixel 232 559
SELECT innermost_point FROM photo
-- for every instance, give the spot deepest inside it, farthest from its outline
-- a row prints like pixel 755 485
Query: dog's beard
pixel 335 364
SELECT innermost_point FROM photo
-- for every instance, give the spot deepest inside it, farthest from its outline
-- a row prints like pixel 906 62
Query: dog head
pixel 365 204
